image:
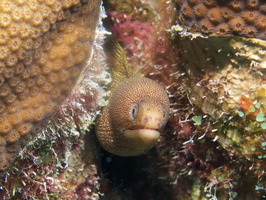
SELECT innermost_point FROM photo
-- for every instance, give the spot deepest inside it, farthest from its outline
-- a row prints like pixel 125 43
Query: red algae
pixel 244 103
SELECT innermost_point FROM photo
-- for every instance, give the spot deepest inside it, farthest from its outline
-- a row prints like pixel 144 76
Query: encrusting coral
pixel 223 69
pixel 61 162
pixel 43 48
pixel 237 17
pixel 226 83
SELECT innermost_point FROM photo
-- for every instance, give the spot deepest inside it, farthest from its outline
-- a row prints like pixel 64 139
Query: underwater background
pixel 209 56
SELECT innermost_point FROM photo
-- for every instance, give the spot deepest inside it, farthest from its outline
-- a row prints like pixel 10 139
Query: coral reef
pixel 219 67
pixel 213 146
pixel 237 17
pixel 132 29
pixel 53 169
pixel 214 143
pixel 221 137
pixel 226 80
pixel 44 47
pixel 62 161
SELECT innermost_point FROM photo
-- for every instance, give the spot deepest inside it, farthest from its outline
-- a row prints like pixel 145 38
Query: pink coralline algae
pixel 135 35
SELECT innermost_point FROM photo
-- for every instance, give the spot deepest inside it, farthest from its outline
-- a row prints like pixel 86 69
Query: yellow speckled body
pixel 137 111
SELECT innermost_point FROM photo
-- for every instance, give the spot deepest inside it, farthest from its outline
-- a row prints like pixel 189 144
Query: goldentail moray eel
pixel 137 111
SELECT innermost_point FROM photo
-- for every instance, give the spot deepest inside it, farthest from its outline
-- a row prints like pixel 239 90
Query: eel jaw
pixel 139 141
pixel 144 136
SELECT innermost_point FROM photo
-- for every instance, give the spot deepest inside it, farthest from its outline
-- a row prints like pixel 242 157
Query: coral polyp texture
pixel 226 74
pixel 44 45
pixel 237 17
pixel 61 161
pixel 225 70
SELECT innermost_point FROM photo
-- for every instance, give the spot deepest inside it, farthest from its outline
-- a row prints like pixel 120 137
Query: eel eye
pixel 134 111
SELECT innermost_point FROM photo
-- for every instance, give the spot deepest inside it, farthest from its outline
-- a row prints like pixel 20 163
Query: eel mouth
pixel 138 140
pixel 143 128
pixel 142 135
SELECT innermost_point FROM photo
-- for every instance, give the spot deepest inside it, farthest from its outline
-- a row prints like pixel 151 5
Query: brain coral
pixel 43 47
pixel 238 17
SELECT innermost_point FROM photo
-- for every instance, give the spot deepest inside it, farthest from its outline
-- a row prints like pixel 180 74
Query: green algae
pixel 197 120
